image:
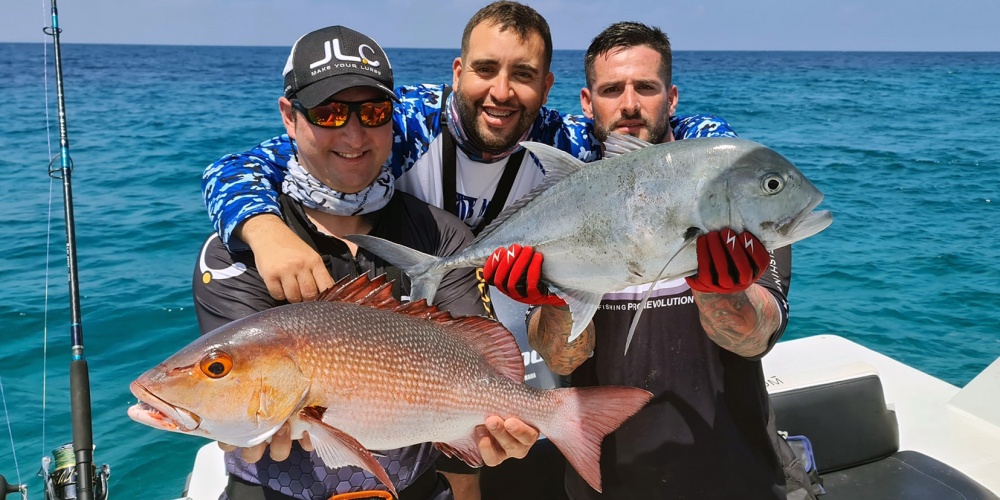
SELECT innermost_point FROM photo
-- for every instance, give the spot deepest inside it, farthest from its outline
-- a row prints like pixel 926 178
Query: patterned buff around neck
pixel 474 151
pixel 312 193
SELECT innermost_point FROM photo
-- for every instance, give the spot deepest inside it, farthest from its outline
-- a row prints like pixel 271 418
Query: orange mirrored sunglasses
pixel 334 114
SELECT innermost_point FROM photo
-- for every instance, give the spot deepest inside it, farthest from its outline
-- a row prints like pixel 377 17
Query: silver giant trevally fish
pixel 631 218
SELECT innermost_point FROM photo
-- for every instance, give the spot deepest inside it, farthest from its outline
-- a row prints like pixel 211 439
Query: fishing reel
pixel 60 484
pixel 7 488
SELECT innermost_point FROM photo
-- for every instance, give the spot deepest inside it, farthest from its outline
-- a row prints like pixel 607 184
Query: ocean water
pixel 904 145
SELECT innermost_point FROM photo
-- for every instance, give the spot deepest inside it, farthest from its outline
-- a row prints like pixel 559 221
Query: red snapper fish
pixel 360 371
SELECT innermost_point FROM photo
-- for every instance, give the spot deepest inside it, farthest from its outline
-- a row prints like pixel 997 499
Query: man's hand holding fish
pixel 498 440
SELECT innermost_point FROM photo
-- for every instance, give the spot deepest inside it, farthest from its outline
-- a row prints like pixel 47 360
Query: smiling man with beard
pixel 501 82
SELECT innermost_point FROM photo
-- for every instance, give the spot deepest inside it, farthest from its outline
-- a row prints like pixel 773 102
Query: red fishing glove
pixel 517 272
pixel 728 262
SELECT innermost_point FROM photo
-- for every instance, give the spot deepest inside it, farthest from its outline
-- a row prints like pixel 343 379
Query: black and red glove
pixel 517 272
pixel 728 262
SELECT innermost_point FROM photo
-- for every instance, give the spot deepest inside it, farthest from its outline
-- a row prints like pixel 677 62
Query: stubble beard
pixel 655 134
pixel 468 112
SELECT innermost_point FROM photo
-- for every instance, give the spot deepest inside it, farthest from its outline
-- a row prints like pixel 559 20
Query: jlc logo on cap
pixel 361 57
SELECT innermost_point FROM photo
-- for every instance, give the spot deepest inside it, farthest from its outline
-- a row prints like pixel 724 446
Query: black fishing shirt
pixel 705 434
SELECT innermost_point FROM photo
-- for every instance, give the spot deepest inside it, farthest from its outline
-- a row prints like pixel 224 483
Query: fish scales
pixel 417 369
pixel 359 371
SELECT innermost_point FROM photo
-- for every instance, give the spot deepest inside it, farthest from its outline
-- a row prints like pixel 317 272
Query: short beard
pixel 468 112
pixel 656 133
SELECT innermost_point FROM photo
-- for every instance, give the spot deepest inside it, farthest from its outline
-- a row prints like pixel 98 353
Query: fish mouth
pixel 806 223
pixel 155 412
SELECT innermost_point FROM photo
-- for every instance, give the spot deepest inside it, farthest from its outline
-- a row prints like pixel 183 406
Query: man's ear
pixel 456 72
pixel 586 104
pixel 549 80
pixel 287 116
pixel 673 96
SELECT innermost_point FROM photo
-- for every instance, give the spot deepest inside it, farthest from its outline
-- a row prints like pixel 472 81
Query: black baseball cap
pixel 332 59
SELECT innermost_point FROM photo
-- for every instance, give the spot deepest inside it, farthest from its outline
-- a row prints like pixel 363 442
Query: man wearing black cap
pixel 337 107
pixel 320 55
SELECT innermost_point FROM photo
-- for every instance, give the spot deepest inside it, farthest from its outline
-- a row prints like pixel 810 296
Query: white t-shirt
pixel 476 182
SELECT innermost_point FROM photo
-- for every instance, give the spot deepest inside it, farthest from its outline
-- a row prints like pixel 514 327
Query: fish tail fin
pixel 583 417
pixel 425 275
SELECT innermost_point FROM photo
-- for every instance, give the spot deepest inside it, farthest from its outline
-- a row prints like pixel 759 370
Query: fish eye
pixel 216 364
pixel 772 183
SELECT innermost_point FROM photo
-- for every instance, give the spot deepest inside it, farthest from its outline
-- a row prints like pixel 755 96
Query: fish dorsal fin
pixel 375 293
pixel 487 336
pixel 558 165
pixel 619 144
pixel 494 341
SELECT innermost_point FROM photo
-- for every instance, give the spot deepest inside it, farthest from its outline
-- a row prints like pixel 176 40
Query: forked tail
pixel 584 416
pixel 425 277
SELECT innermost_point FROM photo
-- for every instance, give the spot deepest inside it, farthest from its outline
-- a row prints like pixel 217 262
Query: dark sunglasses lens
pixel 374 114
pixel 332 114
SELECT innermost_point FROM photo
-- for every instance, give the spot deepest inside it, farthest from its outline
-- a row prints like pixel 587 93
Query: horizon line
pixel 913 51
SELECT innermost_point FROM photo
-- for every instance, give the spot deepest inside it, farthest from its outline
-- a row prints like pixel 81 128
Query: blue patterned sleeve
pixel 693 126
pixel 241 185
pixel 416 123
pixel 570 133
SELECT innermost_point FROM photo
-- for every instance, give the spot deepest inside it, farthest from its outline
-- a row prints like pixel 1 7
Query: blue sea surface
pixel 904 145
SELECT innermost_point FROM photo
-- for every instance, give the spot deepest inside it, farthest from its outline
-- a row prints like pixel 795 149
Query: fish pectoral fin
pixel 638 314
pixel 582 306
pixel 691 238
pixel 337 448
pixel 466 449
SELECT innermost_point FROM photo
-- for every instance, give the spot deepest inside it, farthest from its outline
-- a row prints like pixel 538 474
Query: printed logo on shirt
pixel 650 304
pixel 776 277
pixel 466 208
pixel 531 358
pixel 208 274
pixel 666 293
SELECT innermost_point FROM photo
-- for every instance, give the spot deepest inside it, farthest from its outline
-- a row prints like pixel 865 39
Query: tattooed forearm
pixel 548 330
pixel 740 322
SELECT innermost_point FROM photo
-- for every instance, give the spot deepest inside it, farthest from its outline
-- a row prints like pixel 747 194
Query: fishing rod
pixel 75 474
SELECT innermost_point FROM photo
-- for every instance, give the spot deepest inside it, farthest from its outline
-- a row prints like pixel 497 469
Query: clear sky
pixel 891 25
